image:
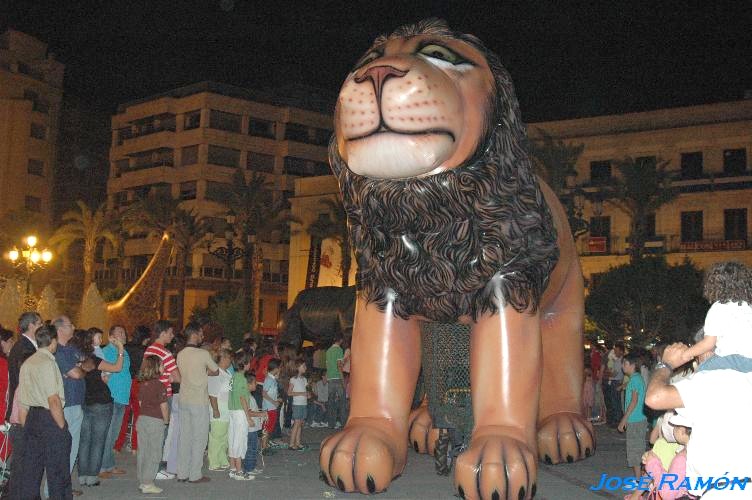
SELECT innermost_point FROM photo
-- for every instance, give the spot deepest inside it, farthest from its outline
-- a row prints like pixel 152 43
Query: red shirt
pixel 259 365
pixel 168 363
pixel 595 363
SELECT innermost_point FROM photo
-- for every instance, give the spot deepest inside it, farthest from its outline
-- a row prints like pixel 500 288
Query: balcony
pixel 712 245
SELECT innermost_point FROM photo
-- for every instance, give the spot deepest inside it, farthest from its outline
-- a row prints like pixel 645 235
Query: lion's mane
pixel 434 244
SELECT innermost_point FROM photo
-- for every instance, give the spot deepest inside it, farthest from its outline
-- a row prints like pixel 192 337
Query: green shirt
pixel 636 383
pixel 238 389
pixel 333 354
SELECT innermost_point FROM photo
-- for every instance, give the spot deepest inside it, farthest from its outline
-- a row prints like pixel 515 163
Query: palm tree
pixel 554 161
pixel 333 225
pixel 256 214
pixel 641 189
pixel 158 215
pixel 90 226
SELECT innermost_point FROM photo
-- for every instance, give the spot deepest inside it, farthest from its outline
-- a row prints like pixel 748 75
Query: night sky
pixel 566 60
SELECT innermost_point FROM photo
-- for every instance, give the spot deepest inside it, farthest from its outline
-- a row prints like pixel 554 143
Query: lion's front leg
pixel 372 448
pixel 505 374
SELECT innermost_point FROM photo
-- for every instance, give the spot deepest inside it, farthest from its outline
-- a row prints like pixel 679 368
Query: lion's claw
pixel 565 437
pixel 422 435
pixel 362 457
pixel 498 467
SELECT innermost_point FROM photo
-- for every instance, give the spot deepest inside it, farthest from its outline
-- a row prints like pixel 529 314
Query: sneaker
pixel 240 476
pixel 249 476
pixel 338 426
pixel 220 468
pixel 163 474
pixel 150 488
pixel 255 472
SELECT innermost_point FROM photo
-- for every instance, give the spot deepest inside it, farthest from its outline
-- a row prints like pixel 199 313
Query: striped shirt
pixel 168 363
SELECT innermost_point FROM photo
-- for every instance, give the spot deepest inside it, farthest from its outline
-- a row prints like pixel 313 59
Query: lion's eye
pixel 441 53
pixel 371 56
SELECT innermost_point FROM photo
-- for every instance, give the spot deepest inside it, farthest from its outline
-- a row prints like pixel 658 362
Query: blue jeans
pixel 731 362
pixel 337 406
pixel 108 457
pixel 74 417
pixel 249 461
pixel 94 428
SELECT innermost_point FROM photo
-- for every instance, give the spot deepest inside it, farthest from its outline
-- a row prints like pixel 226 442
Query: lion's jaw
pixel 418 118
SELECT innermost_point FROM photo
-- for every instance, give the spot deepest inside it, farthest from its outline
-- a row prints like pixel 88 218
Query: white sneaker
pixel 255 472
pixel 163 474
pixel 239 476
pixel 150 488
pixel 338 426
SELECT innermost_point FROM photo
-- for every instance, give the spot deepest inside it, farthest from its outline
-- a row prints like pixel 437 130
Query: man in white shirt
pixel 717 403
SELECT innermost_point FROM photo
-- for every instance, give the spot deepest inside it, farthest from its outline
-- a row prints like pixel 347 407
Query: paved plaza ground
pixel 295 475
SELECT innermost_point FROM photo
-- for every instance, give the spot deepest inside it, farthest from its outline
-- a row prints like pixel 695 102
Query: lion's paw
pixel 496 467
pixel 364 456
pixel 422 435
pixel 565 437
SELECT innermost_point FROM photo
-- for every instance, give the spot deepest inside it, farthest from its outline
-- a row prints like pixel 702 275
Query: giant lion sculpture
pixel 450 224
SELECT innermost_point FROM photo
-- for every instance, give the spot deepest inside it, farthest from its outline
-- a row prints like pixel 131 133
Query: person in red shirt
pixel 163 334
pixel 6 340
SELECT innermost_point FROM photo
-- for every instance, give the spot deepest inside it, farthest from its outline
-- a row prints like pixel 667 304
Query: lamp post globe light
pixel 29 259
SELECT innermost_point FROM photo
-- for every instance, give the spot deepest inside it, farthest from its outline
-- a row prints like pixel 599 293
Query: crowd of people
pixel 693 407
pixel 73 400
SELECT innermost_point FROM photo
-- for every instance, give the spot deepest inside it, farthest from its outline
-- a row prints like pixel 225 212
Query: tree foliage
pixel 648 300
pixel 639 191
pixel 91 227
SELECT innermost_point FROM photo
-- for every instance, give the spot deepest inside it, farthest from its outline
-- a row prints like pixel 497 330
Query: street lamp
pixel 29 259
pixel 228 253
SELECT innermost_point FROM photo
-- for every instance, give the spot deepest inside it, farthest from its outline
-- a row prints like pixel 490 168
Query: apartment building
pixel 187 143
pixel 708 149
pixel 31 90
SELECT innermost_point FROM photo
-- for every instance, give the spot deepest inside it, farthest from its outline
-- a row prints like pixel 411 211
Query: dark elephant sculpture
pixel 319 315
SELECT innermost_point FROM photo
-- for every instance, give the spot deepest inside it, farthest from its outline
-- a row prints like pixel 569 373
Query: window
pixel 296 132
pixel 261 128
pixel 735 224
pixel 600 172
pixel 691 226
pixel 217 191
pixel 224 156
pixel 221 120
pixel 188 190
pixel 192 120
pixel 734 161
pixel 600 226
pixel 172 307
pixel 33 203
pixel 303 167
pixel 260 162
pixel 38 131
pixel 189 155
pixel 647 162
pixel 691 165
pixel 650 227
pixel 121 199
pixel 35 167
pixel 122 166
pixel 162 157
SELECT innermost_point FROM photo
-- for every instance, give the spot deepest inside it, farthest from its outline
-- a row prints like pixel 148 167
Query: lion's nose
pixel 378 75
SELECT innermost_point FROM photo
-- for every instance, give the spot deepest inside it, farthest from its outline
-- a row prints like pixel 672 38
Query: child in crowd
pixel 728 324
pixel 669 458
pixel 271 400
pixel 634 421
pixel 154 415
pixel 255 422
pixel 587 393
pixel 297 389
pixel 321 391
pixel 219 395
pixel 240 421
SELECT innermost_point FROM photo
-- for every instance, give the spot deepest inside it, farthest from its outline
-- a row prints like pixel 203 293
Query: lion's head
pixel 437 185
